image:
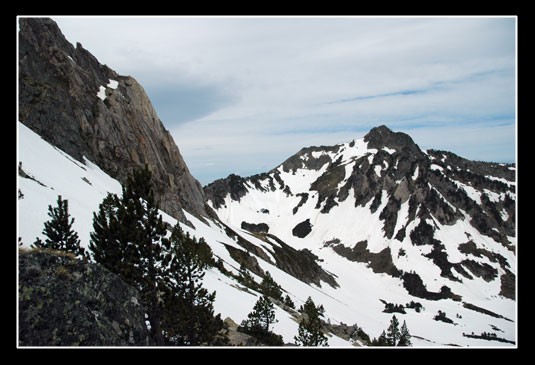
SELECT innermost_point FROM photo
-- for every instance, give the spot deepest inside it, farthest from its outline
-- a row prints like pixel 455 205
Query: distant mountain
pixel 88 110
pixel 367 228
pixel 431 218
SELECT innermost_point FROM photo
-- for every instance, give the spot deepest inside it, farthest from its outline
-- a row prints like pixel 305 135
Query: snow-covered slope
pixel 46 172
pixel 395 223
pixel 50 172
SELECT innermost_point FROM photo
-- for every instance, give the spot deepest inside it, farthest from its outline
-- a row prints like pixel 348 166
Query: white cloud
pixel 255 80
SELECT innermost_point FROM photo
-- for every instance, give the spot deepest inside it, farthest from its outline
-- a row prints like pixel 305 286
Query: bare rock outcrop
pixel 68 302
pixel 87 110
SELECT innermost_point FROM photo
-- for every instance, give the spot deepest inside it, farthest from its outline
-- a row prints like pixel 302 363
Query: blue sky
pixel 242 94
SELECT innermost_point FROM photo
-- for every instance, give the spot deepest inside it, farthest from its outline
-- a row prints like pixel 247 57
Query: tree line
pixel 167 265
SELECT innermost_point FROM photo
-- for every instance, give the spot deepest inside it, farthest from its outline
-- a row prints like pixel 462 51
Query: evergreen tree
pixel 246 278
pixel 129 239
pixel 258 322
pixel 288 302
pixel 59 232
pixel 309 332
pixel 270 288
pixel 381 341
pixel 405 336
pixel 189 317
pixel 104 244
pixel 393 333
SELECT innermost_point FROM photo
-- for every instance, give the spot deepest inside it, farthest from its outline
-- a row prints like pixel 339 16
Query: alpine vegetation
pixel 369 242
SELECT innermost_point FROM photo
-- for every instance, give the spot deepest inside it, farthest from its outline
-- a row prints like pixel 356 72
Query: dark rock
pixel 382 136
pixel 302 229
pixel 255 228
pixel 380 262
pixel 301 264
pixel 58 86
pixel 508 287
pixel 68 302
pixel 218 190
pixel 415 286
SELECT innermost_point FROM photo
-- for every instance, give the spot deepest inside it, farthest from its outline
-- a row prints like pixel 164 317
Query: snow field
pixel 357 300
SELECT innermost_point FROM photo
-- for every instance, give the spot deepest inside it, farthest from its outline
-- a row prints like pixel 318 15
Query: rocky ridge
pixel 411 193
pixel 88 110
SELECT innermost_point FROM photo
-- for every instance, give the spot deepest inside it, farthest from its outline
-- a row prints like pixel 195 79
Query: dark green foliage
pixel 441 316
pixel 491 336
pixel 288 302
pixel 129 240
pixel 104 243
pixel 417 306
pixel 270 288
pixel 391 308
pixel 189 313
pixel 59 232
pixel 405 336
pixel 258 322
pixel 381 341
pixel 394 336
pixel 246 278
pixel 309 332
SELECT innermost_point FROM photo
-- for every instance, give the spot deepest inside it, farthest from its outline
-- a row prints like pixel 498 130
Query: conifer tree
pixel 259 320
pixel 309 332
pixel 129 239
pixel 381 341
pixel 405 336
pixel 189 317
pixel 59 232
pixel 270 288
pixel 289 302
pixel 393 333
pixel 104 244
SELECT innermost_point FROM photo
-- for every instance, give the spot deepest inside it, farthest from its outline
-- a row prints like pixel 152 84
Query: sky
pixel 242 94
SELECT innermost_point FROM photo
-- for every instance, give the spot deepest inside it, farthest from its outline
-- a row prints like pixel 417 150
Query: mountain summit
pixel 383 201
pixel 382 136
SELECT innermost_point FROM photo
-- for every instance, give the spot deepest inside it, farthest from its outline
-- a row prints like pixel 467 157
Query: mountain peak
pixel 382 136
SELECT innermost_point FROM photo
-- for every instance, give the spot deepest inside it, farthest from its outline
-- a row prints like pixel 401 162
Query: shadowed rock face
pixel 118 130
pixel 68 302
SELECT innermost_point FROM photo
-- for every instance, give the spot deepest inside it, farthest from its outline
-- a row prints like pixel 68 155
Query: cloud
pixel 257 89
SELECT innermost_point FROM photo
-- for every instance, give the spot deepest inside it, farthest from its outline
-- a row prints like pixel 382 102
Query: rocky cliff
pixel 87 109
pixel 68 302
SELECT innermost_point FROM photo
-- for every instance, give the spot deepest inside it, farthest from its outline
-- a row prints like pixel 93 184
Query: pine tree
pixel 59 232
pixel 288 302
pixel 258 322
pixel 189 317
pixel 405 336
pixel 381 341
pixel 393 333
pixel 270 288
pixel 246 278
pixel 309 332
pixel 129 239
pixel 104 244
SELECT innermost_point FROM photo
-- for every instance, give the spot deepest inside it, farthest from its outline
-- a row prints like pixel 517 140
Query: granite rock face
pixel 87 110
pixel 69 302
